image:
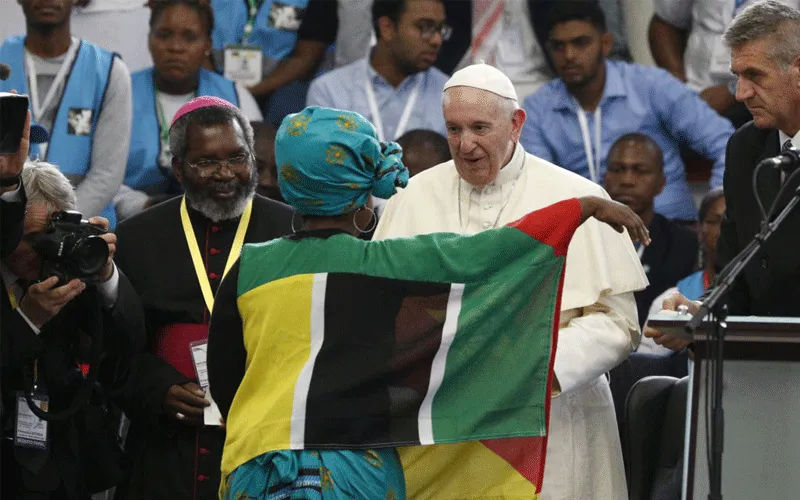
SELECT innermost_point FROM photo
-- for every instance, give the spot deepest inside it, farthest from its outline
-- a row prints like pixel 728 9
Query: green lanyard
pixel 251 18
pixel 163 127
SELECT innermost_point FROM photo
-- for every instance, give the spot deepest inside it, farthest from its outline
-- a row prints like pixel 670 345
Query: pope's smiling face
pixel 482 131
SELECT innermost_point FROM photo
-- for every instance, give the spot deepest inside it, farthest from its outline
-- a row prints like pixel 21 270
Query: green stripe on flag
pixel 440 257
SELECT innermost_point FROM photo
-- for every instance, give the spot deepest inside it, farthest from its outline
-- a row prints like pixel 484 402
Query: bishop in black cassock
pixel 174 456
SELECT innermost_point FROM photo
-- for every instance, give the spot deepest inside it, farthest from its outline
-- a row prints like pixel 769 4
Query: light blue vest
pixel 230 17
pixel 85 90
pixel 143 169
pixel 692 286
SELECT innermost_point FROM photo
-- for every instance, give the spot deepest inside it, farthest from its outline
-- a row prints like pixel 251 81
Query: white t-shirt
pixel 110 5
pixel 706 59
pixel 519 55
pixel 247 103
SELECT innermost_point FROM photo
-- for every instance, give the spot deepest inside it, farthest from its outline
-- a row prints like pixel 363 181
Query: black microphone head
pixel 5 71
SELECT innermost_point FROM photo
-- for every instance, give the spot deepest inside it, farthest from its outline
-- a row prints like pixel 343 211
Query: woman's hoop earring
pixel 373 223
pixel 294 230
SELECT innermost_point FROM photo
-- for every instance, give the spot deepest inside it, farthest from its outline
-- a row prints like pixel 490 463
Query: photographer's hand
pixel 11 165
pixel 43 300
pixel 111 239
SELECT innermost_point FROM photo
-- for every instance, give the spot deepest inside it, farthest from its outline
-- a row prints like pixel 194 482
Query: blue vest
pixel 692 286
pixel 85 90
pixel 143 170
pixel 276 42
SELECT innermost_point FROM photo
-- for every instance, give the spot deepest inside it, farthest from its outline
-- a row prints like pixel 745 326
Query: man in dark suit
pixel 175 455
pixel 635 176
pixel 764 55
pixel 55 339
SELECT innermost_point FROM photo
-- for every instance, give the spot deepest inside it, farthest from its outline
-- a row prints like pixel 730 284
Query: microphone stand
pixel 712 305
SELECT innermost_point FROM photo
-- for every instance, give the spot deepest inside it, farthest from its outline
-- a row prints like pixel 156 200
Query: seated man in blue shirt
pixel 396 87
pixel 577 117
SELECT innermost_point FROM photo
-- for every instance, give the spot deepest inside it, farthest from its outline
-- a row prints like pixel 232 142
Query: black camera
pixel 71 248
pixel 13 110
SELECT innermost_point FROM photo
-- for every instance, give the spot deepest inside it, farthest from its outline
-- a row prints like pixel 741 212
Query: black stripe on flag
pixel 373 369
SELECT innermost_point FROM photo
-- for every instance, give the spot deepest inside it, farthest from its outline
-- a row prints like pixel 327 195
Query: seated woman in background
pixel 330 164
pixel 179 42
pixel 712 211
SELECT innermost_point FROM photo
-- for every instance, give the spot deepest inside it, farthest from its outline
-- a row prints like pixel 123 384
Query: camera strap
pixel 197 259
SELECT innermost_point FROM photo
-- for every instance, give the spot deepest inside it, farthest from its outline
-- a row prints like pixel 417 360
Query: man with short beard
pixel 395 86
pixel 177 253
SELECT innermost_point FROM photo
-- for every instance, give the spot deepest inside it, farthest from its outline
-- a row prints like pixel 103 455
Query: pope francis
pixel 492 181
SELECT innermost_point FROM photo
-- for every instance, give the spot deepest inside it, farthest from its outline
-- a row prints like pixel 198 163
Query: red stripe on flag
pixel 525 454
pixel 553 225
pixel 528 455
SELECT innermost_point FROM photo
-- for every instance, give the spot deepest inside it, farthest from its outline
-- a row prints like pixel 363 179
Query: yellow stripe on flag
pixel 261 412
pixel 461 471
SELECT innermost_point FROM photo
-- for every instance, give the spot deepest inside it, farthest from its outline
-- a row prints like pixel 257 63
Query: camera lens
pixel 90 255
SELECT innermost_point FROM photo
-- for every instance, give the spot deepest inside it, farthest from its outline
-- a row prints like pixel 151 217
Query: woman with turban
pixel 329 163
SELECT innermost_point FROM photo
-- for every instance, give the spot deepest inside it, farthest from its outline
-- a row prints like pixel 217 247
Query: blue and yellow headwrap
pixel 329 162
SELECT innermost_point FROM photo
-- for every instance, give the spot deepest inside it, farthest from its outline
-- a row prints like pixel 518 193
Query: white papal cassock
pixel 599 325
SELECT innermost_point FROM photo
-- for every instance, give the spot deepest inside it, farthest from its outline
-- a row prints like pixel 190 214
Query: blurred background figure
pixel 264 135
pixel 423 149
pixel 245 28
pixel 81 93
pixel 595 100
pixel 693 286
pixel 116 25
pixel 635 176
pixel 395 86
pixel 180 42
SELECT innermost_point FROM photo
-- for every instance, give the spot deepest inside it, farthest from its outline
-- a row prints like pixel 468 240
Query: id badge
pixel 199 350
pixel 30 431
pixel 243 64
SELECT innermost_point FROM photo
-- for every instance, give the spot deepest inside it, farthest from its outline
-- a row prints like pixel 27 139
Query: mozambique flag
pixel 417 341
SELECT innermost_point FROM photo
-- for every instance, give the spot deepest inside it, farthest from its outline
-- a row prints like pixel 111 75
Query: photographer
pixel 49 351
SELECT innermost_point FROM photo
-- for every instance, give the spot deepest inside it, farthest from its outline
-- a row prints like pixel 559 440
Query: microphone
pixel 5 71
pixel 786 161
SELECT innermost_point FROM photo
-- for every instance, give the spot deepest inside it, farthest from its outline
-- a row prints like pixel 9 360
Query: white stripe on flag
pixel 298 427
pixel 425 419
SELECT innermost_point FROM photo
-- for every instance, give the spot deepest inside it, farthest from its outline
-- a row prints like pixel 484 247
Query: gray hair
pixel 768 20
pixel 211 115
pixel 508 106
pixel 45 184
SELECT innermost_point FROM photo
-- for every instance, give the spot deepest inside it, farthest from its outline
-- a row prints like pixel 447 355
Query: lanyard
pixel 194 249
pixel 251 19
pixel 376 116
pixel 640 251
pixel 591 159
pixel 33 83
pixel 162 119
pixel 163 129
